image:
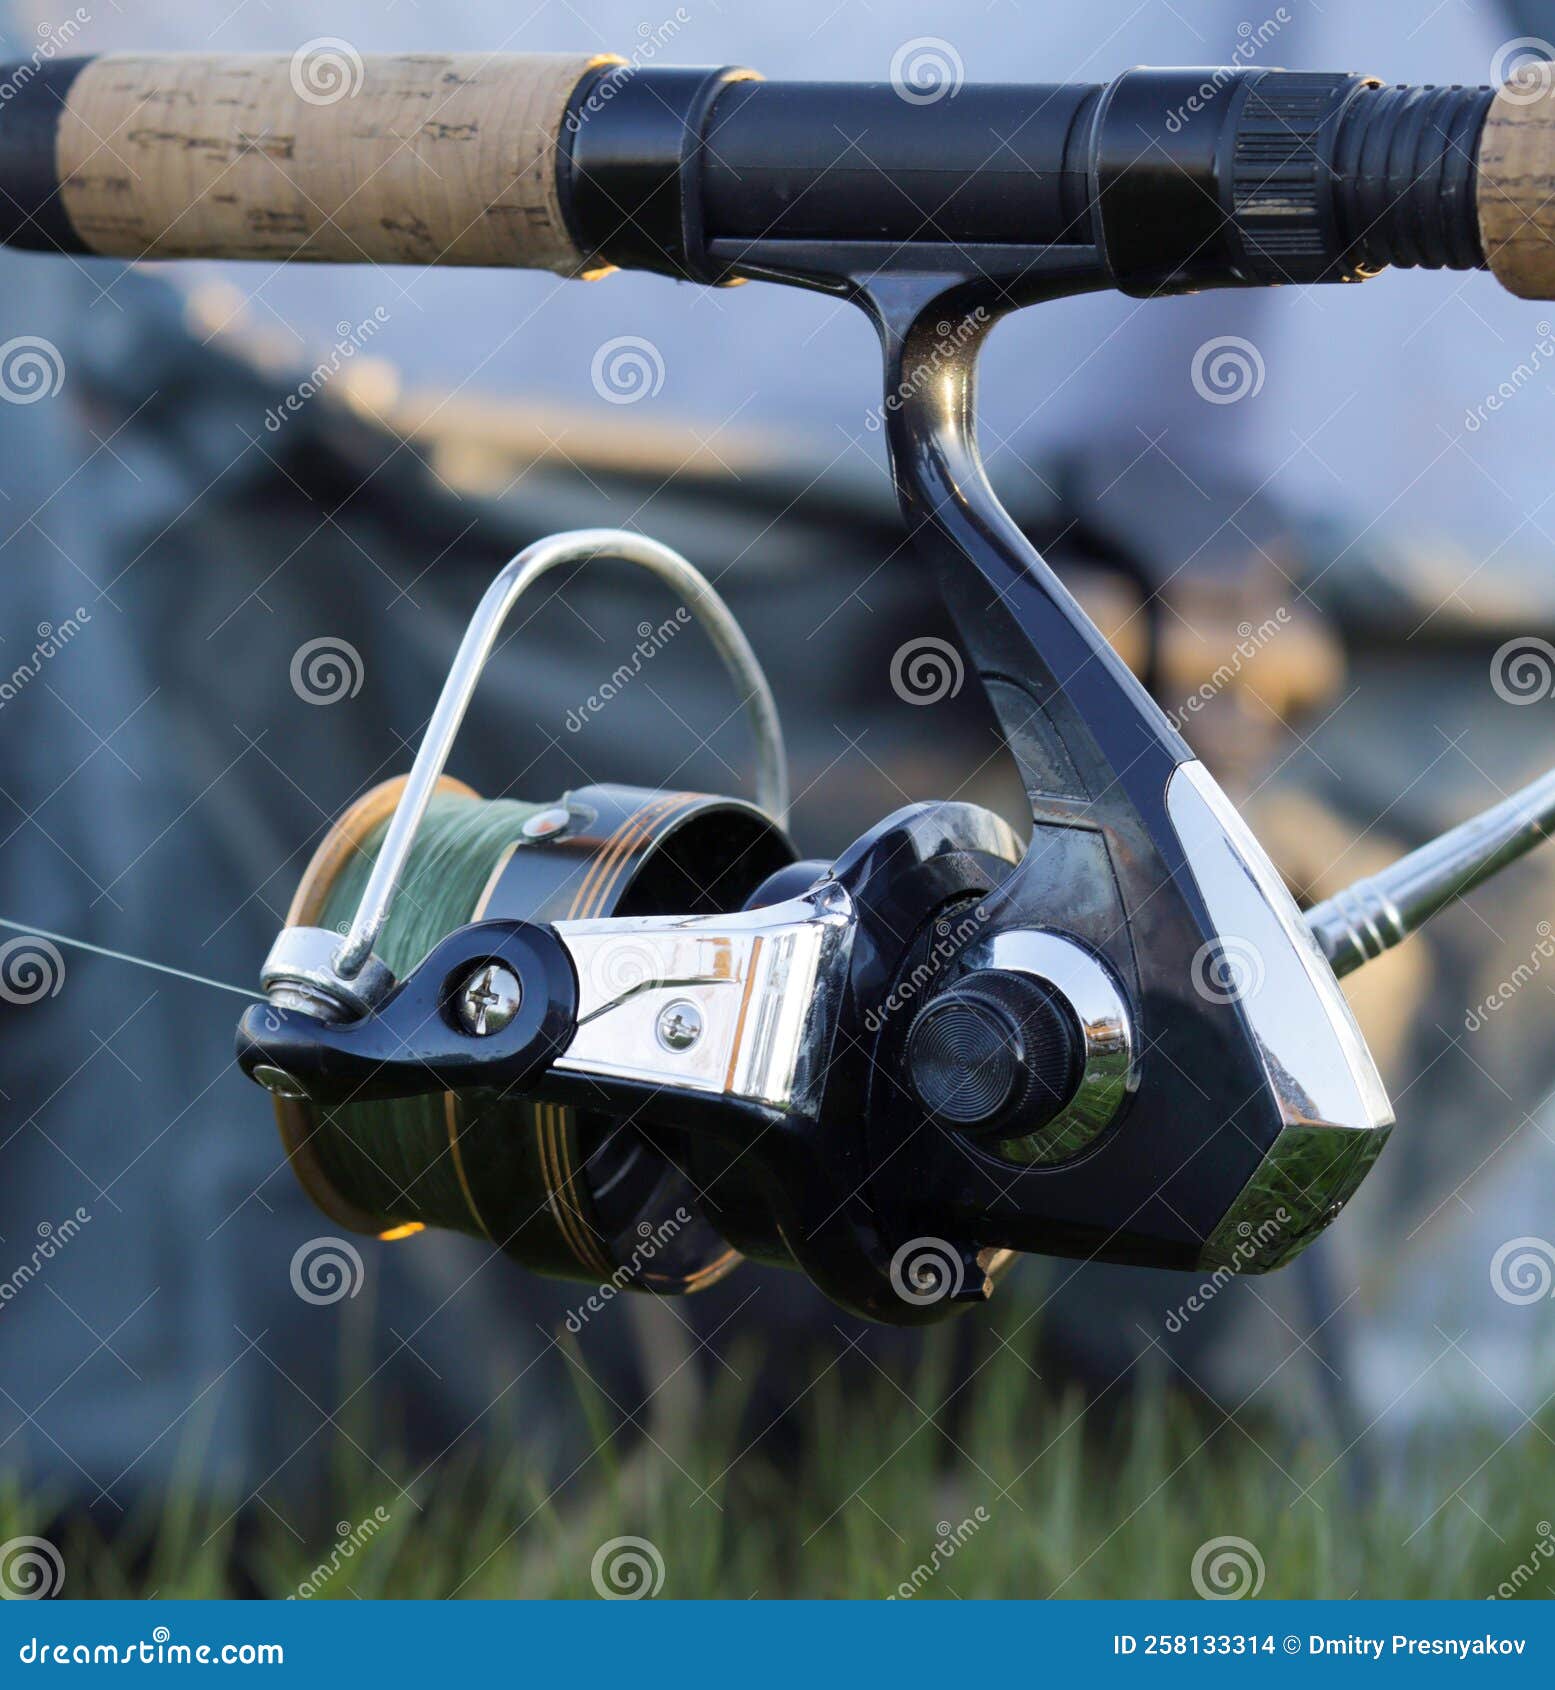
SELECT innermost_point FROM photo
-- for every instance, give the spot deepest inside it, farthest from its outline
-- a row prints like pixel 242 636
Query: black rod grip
pixel 1175 179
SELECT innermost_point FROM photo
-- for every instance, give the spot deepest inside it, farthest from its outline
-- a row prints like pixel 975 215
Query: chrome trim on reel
pixel 1110 1072
pixel 764 986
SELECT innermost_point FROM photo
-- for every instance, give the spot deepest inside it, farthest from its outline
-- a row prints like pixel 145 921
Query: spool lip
pixel 293 1117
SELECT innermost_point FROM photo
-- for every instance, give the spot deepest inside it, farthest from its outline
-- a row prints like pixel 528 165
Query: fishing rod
pixel 632 1035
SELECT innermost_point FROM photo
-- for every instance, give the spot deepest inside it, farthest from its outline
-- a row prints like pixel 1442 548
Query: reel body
pixel 629 1036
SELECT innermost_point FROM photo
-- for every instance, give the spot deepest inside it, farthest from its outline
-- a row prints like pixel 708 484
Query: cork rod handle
pixel 1516 169
pixel 323 155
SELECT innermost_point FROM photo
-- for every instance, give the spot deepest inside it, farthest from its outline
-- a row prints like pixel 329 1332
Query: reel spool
pixel 568 1191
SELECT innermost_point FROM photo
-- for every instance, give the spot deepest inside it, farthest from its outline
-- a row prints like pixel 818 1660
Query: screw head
pixel 489 1000
pixel 679 1025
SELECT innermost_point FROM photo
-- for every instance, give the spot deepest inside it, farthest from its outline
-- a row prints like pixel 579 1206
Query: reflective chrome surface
pixel 1316 1063
pixel 766 984
pixel 279 1082
pixel 1110 1071
pixel 489 1000
pixel 1373 915
pixel 1307 1177
pixel 299 973
pixel 1266 960
pixel 679 1025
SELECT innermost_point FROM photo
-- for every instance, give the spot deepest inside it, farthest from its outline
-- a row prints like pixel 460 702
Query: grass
pixel 1026 1495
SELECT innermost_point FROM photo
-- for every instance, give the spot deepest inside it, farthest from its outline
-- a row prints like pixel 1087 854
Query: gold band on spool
pixel 594 897
pixel 556 1128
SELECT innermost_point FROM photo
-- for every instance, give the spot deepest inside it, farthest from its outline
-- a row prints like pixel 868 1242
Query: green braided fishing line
pixel 393 1158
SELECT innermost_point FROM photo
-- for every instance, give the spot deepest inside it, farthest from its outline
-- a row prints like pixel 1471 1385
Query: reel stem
pixel 1377 913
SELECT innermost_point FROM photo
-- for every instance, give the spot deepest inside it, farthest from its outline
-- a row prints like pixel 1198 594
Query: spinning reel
pixel 631 1035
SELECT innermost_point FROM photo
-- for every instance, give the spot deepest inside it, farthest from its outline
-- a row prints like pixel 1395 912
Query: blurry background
pixel 162 782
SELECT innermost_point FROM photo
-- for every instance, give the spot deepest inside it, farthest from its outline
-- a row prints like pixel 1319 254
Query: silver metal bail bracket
pixel 314 969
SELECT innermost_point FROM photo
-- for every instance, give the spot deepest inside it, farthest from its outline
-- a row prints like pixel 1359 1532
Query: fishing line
pixel 124 956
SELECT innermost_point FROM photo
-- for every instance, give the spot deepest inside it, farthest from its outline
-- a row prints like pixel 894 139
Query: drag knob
pixel 996 1050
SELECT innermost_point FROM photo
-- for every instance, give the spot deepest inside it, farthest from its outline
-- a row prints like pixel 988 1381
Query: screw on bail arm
pixel 348 977
pixel 1377 913
pixel 489 1000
